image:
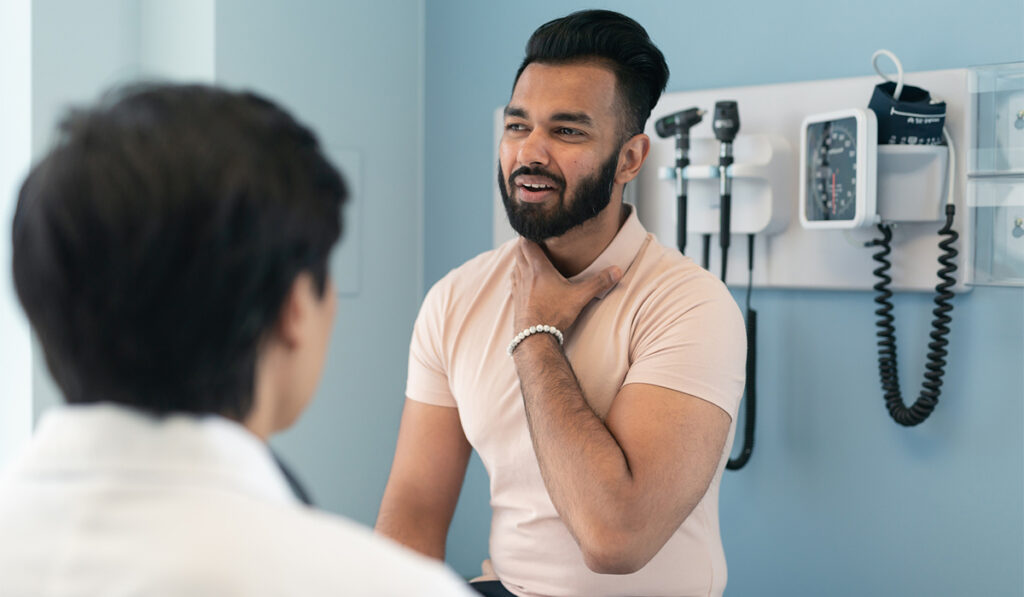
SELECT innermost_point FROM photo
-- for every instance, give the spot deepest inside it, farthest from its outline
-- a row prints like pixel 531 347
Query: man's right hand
pixel 541 295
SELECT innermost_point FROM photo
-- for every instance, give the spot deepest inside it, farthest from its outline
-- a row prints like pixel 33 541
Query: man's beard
pixel 532 220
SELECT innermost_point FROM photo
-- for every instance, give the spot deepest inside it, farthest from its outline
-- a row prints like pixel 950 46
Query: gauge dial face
pixel 831 170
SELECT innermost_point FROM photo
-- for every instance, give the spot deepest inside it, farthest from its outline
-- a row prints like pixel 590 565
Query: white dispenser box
pixel 995 177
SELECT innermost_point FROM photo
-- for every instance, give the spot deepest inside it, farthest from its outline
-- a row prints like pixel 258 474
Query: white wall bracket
pixel 788 256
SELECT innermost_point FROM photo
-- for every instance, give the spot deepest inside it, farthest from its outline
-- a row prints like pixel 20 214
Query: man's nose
pixel 533 150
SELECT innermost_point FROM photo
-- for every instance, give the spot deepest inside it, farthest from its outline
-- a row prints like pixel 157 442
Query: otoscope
pixel 679 125
pixel 726 124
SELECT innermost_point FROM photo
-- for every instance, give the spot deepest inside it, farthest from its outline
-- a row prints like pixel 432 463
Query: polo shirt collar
pixel 622 251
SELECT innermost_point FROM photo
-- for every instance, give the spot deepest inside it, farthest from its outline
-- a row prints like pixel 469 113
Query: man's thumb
pixel 604 281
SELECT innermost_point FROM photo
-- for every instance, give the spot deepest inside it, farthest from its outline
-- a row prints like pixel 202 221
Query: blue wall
pixel 838 499
pixel 353 71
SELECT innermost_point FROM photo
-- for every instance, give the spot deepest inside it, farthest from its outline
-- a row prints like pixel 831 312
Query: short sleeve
pixel 428 371
pixel 691 338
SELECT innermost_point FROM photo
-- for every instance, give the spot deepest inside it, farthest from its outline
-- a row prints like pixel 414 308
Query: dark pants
pixel 491 588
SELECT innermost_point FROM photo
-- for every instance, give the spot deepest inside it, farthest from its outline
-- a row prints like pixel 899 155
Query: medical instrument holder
pixel 761 191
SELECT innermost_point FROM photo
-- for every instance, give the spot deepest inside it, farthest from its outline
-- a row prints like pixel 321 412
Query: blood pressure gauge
pixel 837 170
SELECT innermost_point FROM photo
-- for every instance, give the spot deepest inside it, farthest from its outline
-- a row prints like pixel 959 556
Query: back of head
pixel 615 39
pixel 154 245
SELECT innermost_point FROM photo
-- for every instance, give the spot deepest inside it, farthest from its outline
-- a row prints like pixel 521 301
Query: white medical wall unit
pixel 765 193
pixel 995 179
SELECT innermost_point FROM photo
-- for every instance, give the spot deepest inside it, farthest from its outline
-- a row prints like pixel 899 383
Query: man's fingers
pixel 534 255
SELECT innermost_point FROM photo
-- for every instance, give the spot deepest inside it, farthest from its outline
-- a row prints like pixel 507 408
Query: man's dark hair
pixel 639 66
pixel 155 244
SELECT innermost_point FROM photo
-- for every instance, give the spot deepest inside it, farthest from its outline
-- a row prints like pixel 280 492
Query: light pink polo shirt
pixel 668 323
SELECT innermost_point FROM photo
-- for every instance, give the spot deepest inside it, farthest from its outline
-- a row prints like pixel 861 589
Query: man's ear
pixel 295 309
pixel 631 157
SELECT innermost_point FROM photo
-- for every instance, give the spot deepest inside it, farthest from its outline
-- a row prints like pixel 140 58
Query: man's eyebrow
pixel 576 117
pixel 515 112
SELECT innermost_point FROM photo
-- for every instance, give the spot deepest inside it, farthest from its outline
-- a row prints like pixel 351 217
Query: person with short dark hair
pixel 596 372
pixel 171 253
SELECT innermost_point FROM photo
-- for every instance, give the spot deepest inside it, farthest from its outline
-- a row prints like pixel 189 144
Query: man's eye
pixel 515 127
pixel 568 131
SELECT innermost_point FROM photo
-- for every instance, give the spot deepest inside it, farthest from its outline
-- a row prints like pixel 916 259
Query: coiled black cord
pixel 936 364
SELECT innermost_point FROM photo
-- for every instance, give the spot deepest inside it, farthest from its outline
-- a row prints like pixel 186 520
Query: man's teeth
pixel 536 187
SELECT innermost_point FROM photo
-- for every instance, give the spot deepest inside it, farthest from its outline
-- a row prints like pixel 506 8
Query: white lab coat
pixel 108 501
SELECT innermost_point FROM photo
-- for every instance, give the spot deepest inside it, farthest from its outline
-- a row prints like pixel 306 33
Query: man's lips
pixel 534 189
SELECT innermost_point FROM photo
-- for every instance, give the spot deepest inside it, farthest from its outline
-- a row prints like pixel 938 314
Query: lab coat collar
pixel 118 441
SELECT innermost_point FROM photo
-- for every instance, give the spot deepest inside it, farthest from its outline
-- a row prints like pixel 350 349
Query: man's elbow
pixel 609 563
pixel 624 538
pixel 616 552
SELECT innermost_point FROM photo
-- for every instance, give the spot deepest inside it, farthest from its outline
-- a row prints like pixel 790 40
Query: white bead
pixel 534 329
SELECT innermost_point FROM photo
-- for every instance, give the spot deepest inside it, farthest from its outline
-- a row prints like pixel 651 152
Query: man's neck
pixel 575 250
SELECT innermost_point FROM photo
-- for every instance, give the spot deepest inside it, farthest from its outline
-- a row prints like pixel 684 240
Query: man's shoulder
pixel 471 274
pixel 664 270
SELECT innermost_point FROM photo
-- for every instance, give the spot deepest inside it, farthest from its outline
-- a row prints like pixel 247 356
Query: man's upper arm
pixel 432 452
pixel 426 477
pixel 691 338
pixel 427 379
pixel 673 414
pixel 673 444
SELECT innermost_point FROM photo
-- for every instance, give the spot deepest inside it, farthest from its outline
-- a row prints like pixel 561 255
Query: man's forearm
pixel 584 468
pixel 412 530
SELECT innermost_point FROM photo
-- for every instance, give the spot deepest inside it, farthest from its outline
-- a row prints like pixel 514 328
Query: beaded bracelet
pixel 534 329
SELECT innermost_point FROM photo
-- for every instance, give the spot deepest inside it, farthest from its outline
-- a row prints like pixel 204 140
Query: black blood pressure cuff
pixel 911 120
